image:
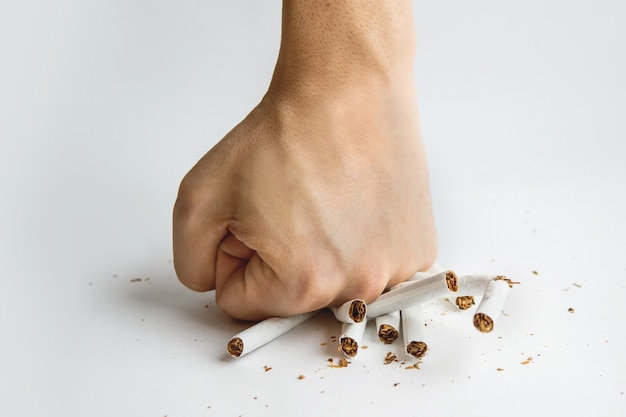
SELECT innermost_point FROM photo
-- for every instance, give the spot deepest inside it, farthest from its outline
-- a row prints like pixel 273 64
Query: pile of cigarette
pixel 397 311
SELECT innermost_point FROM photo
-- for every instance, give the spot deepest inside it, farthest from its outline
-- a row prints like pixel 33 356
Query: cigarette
pixel 491 305
pixel 414 292
pixel 388 326
pixel 351 337
pixel 413 331
pixel 470 287
pixel 263 332
pixel 463 302
pixel 353 311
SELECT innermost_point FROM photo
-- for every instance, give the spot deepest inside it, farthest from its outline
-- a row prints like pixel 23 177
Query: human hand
pixel 321 194
pixel 308 203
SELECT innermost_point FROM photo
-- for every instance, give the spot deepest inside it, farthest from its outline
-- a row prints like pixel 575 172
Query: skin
pixel 320 195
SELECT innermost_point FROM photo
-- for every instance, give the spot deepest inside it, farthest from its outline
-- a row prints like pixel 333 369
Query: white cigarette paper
pixel 490 306
pixel 263 332
pixel 470 287
pixel 351 337
pixel 353 311
pixel 388 326
pixel 413 330
pixel 413 292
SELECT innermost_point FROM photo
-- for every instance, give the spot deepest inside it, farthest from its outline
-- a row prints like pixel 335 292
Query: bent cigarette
pixel 413 292
pixel 490 307
pixel 351 337
pixel 463 302
pixel 353 311
pixel 413 331
pixel 263 332
pixel 388 326
pixel 470 286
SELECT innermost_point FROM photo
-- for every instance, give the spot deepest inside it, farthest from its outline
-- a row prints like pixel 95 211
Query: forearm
pixel 330 43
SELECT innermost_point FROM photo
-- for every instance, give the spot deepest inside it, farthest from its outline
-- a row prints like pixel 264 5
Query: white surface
pixel 105 105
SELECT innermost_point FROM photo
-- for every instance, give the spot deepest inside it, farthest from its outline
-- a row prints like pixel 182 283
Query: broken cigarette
pixel 263 332
pixel 351 337
pixel 352 311
pixel 388 326
pixel 413 331
pixel 490 307
pixel 413 292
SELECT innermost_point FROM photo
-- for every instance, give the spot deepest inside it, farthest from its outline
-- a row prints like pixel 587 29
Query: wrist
pixel 344 43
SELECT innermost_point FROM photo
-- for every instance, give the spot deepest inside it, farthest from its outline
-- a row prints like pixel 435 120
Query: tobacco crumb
pixel 267 368
pixel 527 361
pixel 396 384
pixel 571 309
pixel 135 280
pixel 499 369
pixel 349 346
pixel 323 344
pixel 235 347
pixel 364 347
pixel 464 302
pixel 577 285
pixel 507 280
pixel 451 281
pixel 343 363
pixel 416 365
pixel 417 349
pixel 535 273
pixel 301 377
pixel 387 334
pixel 390 357
pixel 483 322
pixel 357 311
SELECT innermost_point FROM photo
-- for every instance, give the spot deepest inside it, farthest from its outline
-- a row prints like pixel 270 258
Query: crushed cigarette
pixel 413 331
pixel 352 334
pixel 464 302
pixel 417 290
pixel 417 349
pixel 387 334
pixel 263 332
pixel 235 347
pixel 490 306
pixel 483 322
pixel 349 346
pixel 353 311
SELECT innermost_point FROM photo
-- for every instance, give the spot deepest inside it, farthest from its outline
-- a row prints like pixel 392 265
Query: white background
pixel 105 105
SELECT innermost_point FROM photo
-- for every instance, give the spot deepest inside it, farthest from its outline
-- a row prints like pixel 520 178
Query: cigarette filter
pixel 263 332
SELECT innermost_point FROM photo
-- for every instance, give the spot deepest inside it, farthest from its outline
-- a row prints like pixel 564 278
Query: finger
pixel 197 232
pixel 255 292
pixel 232 254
